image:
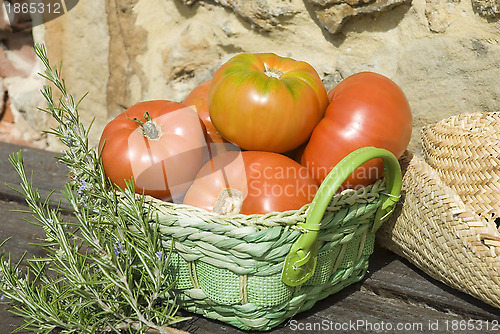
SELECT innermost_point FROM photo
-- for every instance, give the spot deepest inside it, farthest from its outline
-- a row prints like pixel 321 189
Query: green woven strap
pixel 301 260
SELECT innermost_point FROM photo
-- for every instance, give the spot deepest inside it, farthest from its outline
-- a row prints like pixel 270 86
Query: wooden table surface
pixel 394 297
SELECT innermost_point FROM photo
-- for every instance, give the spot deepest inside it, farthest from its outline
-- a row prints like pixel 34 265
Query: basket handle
pixel 301 260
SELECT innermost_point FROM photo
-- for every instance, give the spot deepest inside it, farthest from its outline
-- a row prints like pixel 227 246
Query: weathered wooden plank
pixel 393 291
pixel 10 322
pixel 48 174
pixel 22 234
pixel 355 310
pixel 360 311
pixel 399 279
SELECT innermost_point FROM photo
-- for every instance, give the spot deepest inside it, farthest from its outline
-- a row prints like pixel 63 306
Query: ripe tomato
pixel 367 109
pixel 265 102
pixel 160 144
pixel 330 95
pixel 296 154
pixel 197 98
pixel 251 182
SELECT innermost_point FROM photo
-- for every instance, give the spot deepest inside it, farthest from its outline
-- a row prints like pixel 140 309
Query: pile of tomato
pixel 259 137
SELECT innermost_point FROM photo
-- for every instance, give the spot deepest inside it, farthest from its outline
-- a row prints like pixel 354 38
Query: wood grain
pixel 393 292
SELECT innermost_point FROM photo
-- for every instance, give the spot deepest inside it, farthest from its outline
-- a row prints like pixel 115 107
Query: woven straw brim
pixel 229 268
pixel 465 152
pixel 435 230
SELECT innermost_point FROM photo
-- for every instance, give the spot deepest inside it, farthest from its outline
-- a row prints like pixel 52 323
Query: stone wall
pixel 19 84
pixel 444 54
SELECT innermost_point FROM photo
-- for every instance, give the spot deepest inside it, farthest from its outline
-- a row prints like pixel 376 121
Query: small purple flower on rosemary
pixel 2 298
pixel 118 248
pixel 159 255
pixel 83 186
pixel 66 138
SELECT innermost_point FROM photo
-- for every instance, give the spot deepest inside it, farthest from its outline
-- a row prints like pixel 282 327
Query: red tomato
pixel 330 95
pixel 296 154
pixel 251 182
pixel 160 144
pixel 265 102
pixel 367 109
pixel 197 99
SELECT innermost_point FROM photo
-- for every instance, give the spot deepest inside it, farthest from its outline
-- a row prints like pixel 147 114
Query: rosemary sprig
pixel 105 269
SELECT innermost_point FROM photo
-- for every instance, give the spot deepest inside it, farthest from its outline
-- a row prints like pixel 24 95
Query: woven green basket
pixel 256 271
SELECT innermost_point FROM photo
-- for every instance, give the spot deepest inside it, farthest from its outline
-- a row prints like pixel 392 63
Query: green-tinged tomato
pixel 265 102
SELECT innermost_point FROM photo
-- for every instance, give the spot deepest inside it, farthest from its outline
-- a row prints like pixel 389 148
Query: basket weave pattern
pixel 465 152
pixel 229 268
pixel 445 223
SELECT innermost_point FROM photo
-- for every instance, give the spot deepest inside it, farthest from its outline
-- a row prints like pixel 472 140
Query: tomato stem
pixel 272 72
pixel 229 202
pixel 149 129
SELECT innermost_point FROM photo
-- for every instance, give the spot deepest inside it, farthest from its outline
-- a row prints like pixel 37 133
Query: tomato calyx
pixel 229 202
pixel 272 72
pixel 149 129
